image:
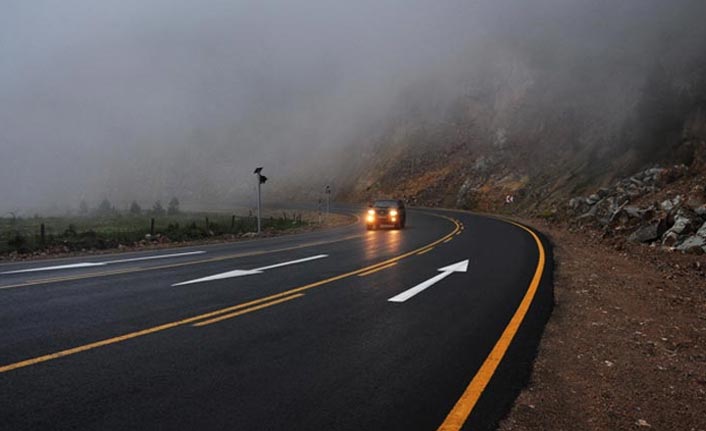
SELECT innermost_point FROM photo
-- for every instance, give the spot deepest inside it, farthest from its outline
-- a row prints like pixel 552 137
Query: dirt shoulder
pixel 625 347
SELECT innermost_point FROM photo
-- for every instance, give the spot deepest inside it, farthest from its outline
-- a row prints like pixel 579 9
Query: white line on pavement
pixel 109 262
pixel 242 272
pixel 445 272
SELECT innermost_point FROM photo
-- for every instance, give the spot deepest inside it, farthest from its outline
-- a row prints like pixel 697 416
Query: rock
pixel 702 231
pixel 602 193
pixel 639 213
pixel 648 232
pixel 683 223
pixel 667 205
pixel 636 182
pixel 593 199
pixel 574 203
pixel 643 423
pixel 693 245
pixel 670 239
pixel 633 212
pixel 249 235
pixel 591 213
pixel 700 211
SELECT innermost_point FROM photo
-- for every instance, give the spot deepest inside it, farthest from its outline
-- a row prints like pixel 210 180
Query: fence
pixel 25 235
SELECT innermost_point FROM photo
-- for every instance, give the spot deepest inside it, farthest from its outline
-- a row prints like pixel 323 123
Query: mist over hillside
pixel 145 100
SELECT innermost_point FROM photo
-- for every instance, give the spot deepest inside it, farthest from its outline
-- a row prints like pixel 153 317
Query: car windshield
pixel 385 204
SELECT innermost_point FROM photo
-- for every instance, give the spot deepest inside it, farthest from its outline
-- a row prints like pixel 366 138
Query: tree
pixel 157 208
pixel 83 207
pixel 173 207
pixel 105 207
pixel 135 208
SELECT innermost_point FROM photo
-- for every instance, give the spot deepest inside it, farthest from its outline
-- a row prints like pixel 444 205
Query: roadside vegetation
pixel 104 227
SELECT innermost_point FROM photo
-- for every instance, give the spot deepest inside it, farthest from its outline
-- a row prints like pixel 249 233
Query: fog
pixel 151 99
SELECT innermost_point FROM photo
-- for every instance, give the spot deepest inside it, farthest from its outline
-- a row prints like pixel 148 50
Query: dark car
pixel 386 212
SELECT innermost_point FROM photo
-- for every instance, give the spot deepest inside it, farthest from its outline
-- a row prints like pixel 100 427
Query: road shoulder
pixel 624 347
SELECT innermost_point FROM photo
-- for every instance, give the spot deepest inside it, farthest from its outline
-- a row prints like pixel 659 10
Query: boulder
pixel 694 245
pixel 648 232
pixel 684 222
pixel 702 231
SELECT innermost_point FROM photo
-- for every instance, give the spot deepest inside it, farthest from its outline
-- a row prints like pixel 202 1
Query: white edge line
pixel 55 268
pixel 93 264
pixel 159 256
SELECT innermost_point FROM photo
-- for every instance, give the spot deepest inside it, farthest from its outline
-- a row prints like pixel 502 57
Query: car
pixel 386 212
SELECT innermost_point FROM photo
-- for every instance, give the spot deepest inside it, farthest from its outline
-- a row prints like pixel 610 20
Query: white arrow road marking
pixel 109 262
pixel 242 272
pixel 445 272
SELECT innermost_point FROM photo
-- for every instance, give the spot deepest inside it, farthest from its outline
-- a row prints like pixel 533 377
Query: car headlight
pixel 371 212
pixel 393 213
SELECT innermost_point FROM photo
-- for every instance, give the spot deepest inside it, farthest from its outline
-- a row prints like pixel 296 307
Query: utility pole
pixel 328 201
pixel 261 179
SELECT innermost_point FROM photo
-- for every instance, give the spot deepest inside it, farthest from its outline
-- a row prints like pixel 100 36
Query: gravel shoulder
pixel 625 347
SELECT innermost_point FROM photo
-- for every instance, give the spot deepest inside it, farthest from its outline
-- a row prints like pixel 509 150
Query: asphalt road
pixel 289 333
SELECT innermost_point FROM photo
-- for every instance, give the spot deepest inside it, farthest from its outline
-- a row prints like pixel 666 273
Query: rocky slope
pixel 661 207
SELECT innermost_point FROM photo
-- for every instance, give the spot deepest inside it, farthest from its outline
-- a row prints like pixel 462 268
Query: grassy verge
pixel 24 235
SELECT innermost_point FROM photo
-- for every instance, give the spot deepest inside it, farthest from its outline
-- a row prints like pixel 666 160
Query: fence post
pixel 42 234
pixel 152 226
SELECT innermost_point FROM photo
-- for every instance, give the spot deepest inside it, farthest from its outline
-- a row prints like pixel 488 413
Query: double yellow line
pixel 224 313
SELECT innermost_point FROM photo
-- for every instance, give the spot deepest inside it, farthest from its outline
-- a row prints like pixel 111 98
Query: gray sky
pixel 143 100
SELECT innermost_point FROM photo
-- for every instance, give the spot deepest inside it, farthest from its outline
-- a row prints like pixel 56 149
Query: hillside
pixel 486 147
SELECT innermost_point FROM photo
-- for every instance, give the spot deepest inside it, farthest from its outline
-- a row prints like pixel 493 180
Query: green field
pixel 23 235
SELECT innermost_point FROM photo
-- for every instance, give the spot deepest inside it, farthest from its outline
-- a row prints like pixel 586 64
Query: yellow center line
pixel 129 336
pixel 247 310
pixel 425 251
pixel 173 265
pixel 125 337
pixel 464 406
pixel 449 239
pixel 380 268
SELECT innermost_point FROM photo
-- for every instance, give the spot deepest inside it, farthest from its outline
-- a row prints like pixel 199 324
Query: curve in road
pixel 286 333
